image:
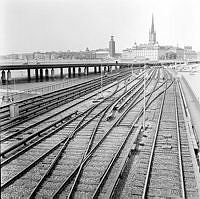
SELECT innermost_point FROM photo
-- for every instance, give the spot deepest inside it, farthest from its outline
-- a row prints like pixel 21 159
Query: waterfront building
pixel 154 52
pixel 25 56
pixel 198 55
pixel 142 52
pixel 112 47
pixel 38 55
pixel 189 54
pixel 170 53
pixel 102 54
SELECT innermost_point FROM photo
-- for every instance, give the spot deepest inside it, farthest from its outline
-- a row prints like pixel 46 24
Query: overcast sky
pixel 61 25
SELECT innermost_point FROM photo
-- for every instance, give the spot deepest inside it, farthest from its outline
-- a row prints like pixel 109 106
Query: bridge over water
pixel 46 69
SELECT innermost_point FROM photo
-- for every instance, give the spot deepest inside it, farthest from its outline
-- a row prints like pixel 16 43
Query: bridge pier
pixel 3 77
pixel 29 74
pixel 104 69
pixel 61 72
pixel 69 72
pixel 52 73
pixel 99 69
pixel 95 69
pixel 41 74
pixel 108 68
pixel 36 74
pixel 86 71
pixel 111 69
pixel 46 74
pixel 79 71
pixel 8 76
pixel 74 71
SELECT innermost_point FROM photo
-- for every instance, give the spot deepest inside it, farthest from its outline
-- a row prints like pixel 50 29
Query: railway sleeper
pixel 42 105
pixel 110 116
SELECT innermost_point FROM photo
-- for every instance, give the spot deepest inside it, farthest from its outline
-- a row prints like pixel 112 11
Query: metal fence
pixel 12 95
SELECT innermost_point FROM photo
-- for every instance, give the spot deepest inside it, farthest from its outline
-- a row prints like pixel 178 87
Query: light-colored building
pixel 148 51
pixel 198 55
pixel 142 52
pixel 38 55
pixel 170 52
pixel 26 56
pixel 189 54
pixel 102 54
pixel 153 51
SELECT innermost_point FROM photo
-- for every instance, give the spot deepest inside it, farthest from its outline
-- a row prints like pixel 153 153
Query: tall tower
pixel 112 47
pixel 152 33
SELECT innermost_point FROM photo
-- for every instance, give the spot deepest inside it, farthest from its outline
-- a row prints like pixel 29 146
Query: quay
pixel 193 107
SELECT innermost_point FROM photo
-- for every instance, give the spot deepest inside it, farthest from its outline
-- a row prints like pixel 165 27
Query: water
pixel 21 74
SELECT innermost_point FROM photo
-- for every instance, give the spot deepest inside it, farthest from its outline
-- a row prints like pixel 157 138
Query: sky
pixel 61 25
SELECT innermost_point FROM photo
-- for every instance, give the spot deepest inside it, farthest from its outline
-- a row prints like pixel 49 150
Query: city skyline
pixel 42 25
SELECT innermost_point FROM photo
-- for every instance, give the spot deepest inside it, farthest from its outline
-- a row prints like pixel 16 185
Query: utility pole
pixel 132 70
pixel 101 82
pixel 144 101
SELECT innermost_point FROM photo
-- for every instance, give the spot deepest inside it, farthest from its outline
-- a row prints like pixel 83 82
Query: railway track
pixel 76 121
pixel 58 136
pixel 34 106
pixel 87 157
pixel 162 166
pixel 22 135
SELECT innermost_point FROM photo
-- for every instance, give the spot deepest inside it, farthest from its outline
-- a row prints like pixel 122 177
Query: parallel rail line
pixel 71 135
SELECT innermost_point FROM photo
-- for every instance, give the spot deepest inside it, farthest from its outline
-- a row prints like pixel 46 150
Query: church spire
pixel 152 33
pixel 152 25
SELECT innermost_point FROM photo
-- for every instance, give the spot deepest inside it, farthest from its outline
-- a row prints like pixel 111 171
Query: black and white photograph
pixel 100 99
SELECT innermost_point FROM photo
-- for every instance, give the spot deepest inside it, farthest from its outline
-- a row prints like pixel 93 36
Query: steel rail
pixel 86 152
pixel 24 141
pixel 80 166
pixel 78 126
pixel 38 133
pixel 21 173
pixel 139 90
pixel 103 179
pixel 35 124
pixel 54 93
pixel 38 141
pixel 52 104
pixel 60 90
pixel 84 156
pixel 123 164
pixel 153 148
pixel 54 162
pixel 128 92
pixel 127 95
pixel 69 89
pixel 179 146
pixel 19 153
pixel 46 94
pixel 32 136
pixel 53 107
